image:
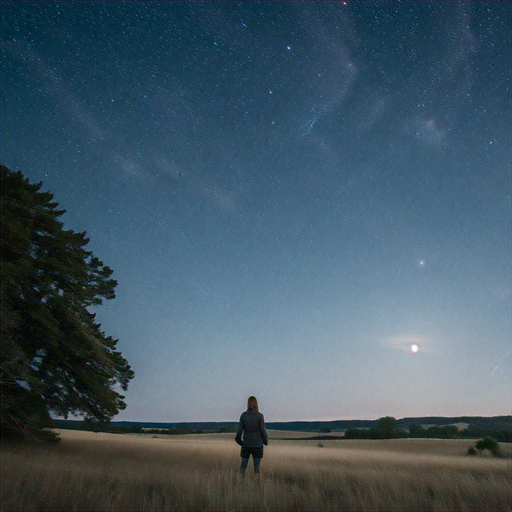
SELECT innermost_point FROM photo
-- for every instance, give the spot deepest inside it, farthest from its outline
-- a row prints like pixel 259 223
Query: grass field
pixel 115 472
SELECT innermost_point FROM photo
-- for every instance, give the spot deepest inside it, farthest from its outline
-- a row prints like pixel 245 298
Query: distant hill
pixel 484 422
pixel 475 422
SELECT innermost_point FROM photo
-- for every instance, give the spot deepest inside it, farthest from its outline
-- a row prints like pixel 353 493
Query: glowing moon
pixel 414 348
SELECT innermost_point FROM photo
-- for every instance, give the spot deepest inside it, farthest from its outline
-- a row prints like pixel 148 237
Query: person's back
pixel 252 425
pixel 251 436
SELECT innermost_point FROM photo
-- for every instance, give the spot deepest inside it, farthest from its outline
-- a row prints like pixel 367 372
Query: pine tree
pixel 55 357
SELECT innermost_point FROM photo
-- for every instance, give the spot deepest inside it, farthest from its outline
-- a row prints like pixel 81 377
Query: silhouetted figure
pixel 251 436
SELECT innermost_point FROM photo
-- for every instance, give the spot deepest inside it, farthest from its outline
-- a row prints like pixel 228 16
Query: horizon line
pixel 300 421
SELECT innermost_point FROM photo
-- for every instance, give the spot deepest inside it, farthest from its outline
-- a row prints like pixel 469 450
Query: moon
pixel 414 348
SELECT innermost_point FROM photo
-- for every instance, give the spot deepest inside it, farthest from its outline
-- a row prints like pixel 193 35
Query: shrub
pixel 472 451
pixel 488 443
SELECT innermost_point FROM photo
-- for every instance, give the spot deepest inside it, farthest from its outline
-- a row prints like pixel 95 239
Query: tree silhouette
pixel 55 357
pixel 386 427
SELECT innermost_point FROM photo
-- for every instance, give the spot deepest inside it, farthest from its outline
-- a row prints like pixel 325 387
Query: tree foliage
pixel 387 427
pixel 55 357
pixel 416 430
pixel 488 443
pixel 384 429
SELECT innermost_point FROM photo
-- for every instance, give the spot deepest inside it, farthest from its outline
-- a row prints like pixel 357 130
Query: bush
pixel 357 433
pixel 472 451
pixel 488 443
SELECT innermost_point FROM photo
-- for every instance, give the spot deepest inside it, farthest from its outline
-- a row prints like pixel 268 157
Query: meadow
pixel 120 472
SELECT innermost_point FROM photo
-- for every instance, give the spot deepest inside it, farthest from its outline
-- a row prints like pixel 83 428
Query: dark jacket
pixel 252 426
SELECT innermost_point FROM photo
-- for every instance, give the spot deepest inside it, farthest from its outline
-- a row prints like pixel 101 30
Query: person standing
pixel 251 436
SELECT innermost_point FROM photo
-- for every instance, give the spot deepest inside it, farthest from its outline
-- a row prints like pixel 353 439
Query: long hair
pixel 252 403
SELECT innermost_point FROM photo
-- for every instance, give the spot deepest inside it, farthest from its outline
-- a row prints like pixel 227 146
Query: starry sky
pixel 291 195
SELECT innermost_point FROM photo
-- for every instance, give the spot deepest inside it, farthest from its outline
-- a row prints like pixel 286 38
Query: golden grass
pixel 113 472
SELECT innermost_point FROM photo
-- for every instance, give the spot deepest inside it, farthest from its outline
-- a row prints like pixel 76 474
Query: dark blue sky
pixel 291 195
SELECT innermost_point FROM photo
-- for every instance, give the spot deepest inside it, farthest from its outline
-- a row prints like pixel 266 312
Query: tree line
pixel 136 428
pixel 387 428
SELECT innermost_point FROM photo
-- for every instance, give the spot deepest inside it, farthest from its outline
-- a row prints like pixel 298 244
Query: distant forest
pixel 499 427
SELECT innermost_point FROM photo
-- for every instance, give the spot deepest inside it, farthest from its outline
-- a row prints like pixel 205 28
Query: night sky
pixel 291 195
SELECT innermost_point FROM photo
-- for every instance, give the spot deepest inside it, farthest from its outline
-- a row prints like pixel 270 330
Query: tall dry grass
pixel 112 472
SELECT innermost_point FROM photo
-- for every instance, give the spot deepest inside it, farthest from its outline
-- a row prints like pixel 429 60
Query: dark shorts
pixel 257 453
